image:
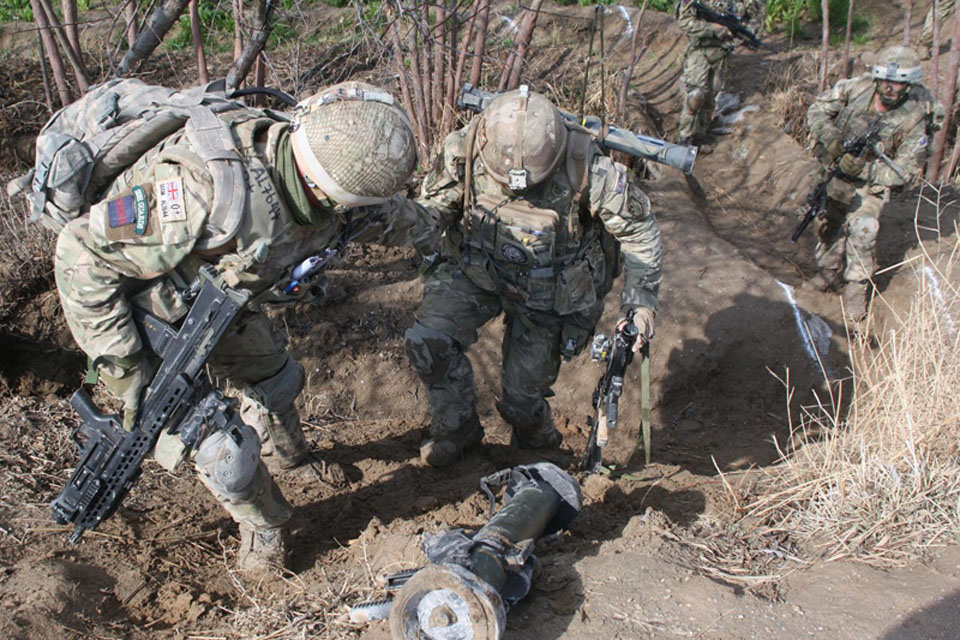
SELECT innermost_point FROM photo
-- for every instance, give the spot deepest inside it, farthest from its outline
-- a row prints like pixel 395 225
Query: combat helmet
pixel 898 64
pixel 521 139
pixel 354 143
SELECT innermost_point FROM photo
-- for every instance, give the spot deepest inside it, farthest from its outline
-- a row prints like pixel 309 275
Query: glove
pixel 852 165
pixel 125 378
pixel 644 319
pixel 834 147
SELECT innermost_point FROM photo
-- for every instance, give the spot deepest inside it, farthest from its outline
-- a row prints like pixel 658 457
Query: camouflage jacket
pixel 613 207
pixel 113 257
pixel 904 132
pixel 703 34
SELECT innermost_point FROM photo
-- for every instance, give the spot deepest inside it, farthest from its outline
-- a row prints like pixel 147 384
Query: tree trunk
pixel 418 88
pixel 628 72
pixel 907 18
pixel 948 97
pixel 256 42
pixel 69 8
pixel 523 42
pixel 202 72
pixel 825 44
pixel 409 103
pixel 78 70
pixel 846 40
pixel 480 44
pixel 439 65
pixel 44 73
pixel 935 47
pixel 53 54
pixel 130 15
pixel 153 32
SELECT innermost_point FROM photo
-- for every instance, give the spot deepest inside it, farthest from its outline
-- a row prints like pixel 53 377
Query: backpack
pixel 88 143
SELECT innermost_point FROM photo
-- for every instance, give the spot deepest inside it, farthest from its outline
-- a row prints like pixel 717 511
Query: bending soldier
pixel 847 230
pixel 256 198
pixel 533 212
pixel 705 61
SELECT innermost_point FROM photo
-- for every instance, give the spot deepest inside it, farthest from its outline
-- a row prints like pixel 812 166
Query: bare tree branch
pixel 948 97
pixel 130 15
pixel 78 70
pixel 846 40
pixel 147 40
pixel 480 44
pixel 825 44
pixel 258 39
pixel 634 58
pixel 202 73
pixel 53 54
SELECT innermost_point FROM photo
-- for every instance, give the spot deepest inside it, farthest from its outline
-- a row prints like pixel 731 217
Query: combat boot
pixel 443 449
pixel 541 433
pixel 263 552
pixel 855 300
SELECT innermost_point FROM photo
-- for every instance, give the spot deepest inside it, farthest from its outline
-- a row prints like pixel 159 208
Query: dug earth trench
pixel 658 552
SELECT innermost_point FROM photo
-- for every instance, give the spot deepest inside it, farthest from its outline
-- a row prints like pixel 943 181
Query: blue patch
pixel 923 141
pixel 121 212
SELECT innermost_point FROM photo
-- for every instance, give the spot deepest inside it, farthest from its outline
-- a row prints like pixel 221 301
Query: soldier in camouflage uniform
pixel 926 35
pixel 260 197
pixel 533 213
pixel 847 230
pixel 705 60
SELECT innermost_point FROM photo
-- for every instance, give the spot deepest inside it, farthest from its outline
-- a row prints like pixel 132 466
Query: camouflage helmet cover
pixel 521 138
pixel 354 143
pixel 898 64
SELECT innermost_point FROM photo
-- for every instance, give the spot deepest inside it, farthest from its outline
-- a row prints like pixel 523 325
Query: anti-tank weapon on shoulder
pixel 180 399
pixel 732 21
pixel 473 579
pixel 857 146
pixel 614 138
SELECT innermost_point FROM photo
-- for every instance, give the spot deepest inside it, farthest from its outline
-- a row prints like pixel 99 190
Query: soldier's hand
pixel 852 165
pixel 644 318
pixel 834 147
pixel 125 378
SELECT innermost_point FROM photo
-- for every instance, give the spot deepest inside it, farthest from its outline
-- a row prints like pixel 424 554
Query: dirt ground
pixel 659 552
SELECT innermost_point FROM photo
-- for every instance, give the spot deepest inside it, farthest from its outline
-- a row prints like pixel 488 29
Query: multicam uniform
pixel 109 260
pixel 847 232
pixel 546 260
pixel 946 11
pixel 704 62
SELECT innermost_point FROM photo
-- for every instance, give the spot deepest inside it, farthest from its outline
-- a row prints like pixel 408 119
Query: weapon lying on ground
pixel 614 138
pixel 180 399
pixel 471 581
pixel 733 22
pixel 618 354
pixel 817 199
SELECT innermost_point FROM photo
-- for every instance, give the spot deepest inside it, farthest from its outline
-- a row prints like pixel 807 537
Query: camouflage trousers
pixel 703 73
pixel 847 232
pixel 452 311
pixel 946 11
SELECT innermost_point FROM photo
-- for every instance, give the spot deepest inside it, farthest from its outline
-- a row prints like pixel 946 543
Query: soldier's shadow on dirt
pixel 721 404
pixel 936 622
pixel 917 215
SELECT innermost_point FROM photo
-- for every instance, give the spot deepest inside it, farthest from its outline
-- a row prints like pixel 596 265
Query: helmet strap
pixel 517 176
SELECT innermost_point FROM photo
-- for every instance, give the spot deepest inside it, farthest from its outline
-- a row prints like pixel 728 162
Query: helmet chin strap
pixel 517 176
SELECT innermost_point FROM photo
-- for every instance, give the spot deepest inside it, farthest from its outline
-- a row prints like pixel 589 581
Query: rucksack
pixel 88 143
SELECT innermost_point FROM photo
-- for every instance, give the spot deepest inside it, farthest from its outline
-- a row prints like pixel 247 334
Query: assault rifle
pixel 618 354
pixel 614 138
pixel 733 22
pixel 180 399
pixel 817 199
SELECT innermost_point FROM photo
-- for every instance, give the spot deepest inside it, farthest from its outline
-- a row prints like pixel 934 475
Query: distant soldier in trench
pixel 926 34
pixel 297 188
pixel 537 222
pixel 705 62
pixel 847 230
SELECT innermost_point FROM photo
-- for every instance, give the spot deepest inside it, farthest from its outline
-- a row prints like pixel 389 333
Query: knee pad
pixel 278 392
pixel 228 461
pixel 864 230
pixel 695 99
pixel 429 351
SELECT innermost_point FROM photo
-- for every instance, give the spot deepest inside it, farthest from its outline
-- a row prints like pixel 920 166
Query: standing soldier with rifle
pixel 261 199
pixel 537 220
pixel 895 111
pixel 714 28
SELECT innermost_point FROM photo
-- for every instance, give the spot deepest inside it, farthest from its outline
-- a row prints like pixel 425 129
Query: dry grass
pixel 792 88
pixel 27 266
pixel 878 480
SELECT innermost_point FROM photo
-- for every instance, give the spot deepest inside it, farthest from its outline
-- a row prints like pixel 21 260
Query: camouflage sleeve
pixel 147 224
pixel 825 108
pixel 910 155
pixel 91 294
pixel 697 29
pixel 442 189
pixel 756 14
pixel 624 210
pixel 402 222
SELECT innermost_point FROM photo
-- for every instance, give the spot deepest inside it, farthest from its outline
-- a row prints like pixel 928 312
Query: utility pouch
pixel 575 289
pixel 515 232
pixel 573 339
